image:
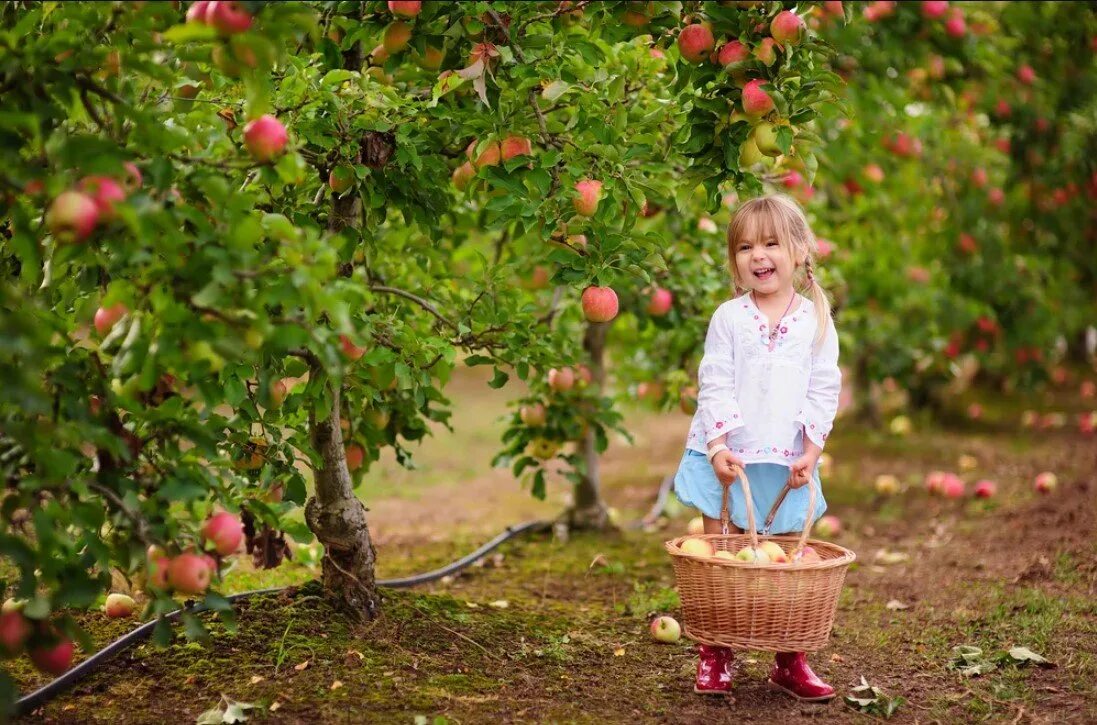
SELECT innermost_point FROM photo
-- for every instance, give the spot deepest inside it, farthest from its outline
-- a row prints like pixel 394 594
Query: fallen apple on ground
pixel 1046 482
pixel 666 629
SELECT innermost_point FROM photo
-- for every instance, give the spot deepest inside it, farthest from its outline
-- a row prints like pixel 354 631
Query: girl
pixel 769 384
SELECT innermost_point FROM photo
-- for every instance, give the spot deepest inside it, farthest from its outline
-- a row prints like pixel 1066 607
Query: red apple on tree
pixel 196 13
pixel 756 102
pixel 72 216
pixel 15 629
pixel 265 137
pixel 106 317
pixel 561 379
pixel 695 43
pixel 396 37
pixel 405 8
pixel 341 178
pixel 54 659
pixel 104 191
pixel 588 194
pixel 189 573
pixel 228 18
pixel 732 52
pixel 225 531
pixel 350 350
pixel 355 456
pixel 600 304
pixel 660 302
pixel 533 415
pixel 787 28
pixel 934 8
pixel 513 146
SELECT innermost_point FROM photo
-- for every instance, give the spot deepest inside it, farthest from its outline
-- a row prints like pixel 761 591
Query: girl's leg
pixel 716 665
pixel 792 674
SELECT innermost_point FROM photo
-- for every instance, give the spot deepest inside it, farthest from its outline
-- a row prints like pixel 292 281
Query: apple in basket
pixel 776 554
pixel 666 629
pixel 807 556
pixel 696 525
pixel 755 556
pixel 697 547
pixel 724 555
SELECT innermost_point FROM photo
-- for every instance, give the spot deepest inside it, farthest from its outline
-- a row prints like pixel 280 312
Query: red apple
pixel 834 8
pixel 350 350
pixel 952 486
pixel 660 302
pixel 515 146
pixel 1088 389
pixel 228 17
pixel 225 531
pixel 55 659
pixel 196 13
pixel 588 194
pixel 666 629
pixel 787 28
pixel 341 178
pixel 72 216
pixel 405 8
pixel 189 574
pixel 279 389
pixel 265 137
pixel 935 481
pixel 756 102
pixel 695 43
pixel 874 173
pixel 934 8
pixel 533 415
pixel 432 58
pixel 732 52
pixel 599 304
pixel 975 411
pixel 119 605
pixel 490 156
pixel 104 191
pixel 583 376
pixel 996 196
pixel 396 37
pixel 985 489
pixel 766 51
pixel 106 317
pixel 561 379
pixel 955 26
pixel 14 632
pixel 355 456
pixel 462 175
pixel 133 179
pixel 1046 482
pixel 828 526
pixel 1026 75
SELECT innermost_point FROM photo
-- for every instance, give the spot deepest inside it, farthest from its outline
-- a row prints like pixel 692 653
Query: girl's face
pixel 763 263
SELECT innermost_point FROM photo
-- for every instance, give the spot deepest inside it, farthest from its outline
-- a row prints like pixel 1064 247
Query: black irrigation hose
pixel 54 688
pixel 47 692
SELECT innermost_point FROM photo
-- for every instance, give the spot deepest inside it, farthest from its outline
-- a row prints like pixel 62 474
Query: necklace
pixel 777 327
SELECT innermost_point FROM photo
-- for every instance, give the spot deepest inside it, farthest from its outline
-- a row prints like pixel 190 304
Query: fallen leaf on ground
pixel 891 557
pixel 302 666
pixel 619 652
pixel 896 604
pixel 256 679
pixel 337 684
pixel 500 604
pixel 837 658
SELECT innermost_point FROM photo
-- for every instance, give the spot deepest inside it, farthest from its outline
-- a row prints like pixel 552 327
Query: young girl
pixel 769 384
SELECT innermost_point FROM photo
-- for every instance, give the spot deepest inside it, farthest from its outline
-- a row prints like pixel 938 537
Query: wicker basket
pixel 772 607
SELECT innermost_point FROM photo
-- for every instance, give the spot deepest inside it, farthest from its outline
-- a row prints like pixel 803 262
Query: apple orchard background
pixel 280 259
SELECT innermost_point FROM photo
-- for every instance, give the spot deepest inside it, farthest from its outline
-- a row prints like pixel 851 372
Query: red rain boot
pixel 792 674
pixel 713 670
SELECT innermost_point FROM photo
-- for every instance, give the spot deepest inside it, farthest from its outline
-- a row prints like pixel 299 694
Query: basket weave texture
pixel 776 607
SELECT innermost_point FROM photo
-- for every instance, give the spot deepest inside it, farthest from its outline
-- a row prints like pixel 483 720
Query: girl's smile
pixel 764 266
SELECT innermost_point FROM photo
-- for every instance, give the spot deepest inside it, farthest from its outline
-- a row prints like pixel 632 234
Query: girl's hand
pixel 726 466
pixel 801 470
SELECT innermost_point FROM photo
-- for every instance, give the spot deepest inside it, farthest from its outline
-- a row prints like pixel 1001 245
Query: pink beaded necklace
pixel 777 327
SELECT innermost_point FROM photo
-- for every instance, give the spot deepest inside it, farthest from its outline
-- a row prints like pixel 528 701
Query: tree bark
pixel 589 511
pixel 338 519
pixel 334 512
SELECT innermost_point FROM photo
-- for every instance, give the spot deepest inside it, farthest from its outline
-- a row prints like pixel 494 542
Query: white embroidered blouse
pixel 765 400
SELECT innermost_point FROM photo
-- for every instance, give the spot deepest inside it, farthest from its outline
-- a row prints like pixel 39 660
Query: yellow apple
pixel 887 484
pixel 696 526
pixel 697 547
pixel 775 553
pixel 724 555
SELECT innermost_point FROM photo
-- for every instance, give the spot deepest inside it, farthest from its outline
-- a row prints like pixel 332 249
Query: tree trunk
pixel 338 519
pixel 589 511
pixel 334 513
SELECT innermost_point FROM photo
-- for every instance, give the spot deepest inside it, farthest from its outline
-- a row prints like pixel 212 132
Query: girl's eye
pixel 771 244
pixel 744 247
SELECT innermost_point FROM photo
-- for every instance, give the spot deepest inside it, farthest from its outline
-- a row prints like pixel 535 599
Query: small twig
pixel 464 637
pixel 417 300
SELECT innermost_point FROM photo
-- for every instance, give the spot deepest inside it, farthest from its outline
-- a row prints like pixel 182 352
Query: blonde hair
pixel 779 215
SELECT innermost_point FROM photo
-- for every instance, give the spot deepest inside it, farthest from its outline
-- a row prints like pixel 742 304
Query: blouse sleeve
pixel 824 386
pixel 716 401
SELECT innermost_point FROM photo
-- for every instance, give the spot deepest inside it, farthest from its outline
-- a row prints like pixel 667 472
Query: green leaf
pixel 499 380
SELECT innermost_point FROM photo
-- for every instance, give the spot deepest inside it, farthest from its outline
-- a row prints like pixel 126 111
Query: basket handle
pixel 725 516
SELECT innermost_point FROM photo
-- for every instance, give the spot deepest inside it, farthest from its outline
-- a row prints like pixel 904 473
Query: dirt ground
pixel 553 631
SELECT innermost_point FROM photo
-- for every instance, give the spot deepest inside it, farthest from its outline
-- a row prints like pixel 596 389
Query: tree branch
pixel 417 300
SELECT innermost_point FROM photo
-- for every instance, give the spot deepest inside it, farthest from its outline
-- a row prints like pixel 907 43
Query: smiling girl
pixel 769 384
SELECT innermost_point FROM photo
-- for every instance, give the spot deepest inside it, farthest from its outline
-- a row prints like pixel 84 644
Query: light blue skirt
pixel 696 485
